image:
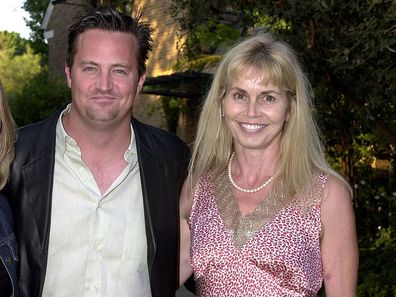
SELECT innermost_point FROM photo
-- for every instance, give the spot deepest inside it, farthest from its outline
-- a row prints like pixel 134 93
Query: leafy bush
pixel 18 62
pixel 377 273
pixel 171 108
pixel 38 98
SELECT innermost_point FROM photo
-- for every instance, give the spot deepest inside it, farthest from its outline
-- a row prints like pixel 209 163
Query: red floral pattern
pixel 281 259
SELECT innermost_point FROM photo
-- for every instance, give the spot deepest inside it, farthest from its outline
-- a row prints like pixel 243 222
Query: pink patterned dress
pixel 277 256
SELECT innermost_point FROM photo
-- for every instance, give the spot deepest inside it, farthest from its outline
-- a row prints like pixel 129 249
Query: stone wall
pixel 163 57
pixel 158 15
pixel 61 16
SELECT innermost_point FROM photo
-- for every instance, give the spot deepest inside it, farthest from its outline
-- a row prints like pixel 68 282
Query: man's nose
pixel 104 81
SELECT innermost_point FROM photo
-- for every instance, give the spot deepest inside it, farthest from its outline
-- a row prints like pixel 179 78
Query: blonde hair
pixel 301 153
pixel 7 139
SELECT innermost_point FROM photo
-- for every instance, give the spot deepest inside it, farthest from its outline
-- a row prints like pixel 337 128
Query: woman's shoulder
pixel 336 184
pixel 323 187
pixel 337 192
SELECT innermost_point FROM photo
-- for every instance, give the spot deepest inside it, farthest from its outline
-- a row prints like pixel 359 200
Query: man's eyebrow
pixel 89 62
pixel 123 65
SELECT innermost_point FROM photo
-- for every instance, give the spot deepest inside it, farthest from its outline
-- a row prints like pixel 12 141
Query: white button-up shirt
pixel 97 244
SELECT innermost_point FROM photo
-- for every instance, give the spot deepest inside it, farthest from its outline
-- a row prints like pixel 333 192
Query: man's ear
pixel 141 81
pixel 68 75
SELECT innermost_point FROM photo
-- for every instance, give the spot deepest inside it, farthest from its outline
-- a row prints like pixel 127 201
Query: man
pixel 95 193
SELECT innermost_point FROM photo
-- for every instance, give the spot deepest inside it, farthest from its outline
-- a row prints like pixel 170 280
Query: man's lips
pixel 103 97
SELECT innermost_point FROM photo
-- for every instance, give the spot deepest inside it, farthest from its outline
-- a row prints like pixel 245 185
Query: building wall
pixel 162 58
pixel 61 17
pixel 164 54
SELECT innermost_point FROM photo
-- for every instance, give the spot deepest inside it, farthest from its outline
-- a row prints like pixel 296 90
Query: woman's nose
pixel 252 108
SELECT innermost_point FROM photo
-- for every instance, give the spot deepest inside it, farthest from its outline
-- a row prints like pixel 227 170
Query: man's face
pixel 104 78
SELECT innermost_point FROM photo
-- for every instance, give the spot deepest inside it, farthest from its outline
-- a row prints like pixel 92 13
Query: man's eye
pixel 89 69
pixel 120 72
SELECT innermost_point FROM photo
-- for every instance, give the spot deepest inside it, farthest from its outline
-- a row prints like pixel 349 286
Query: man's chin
pixel 103 117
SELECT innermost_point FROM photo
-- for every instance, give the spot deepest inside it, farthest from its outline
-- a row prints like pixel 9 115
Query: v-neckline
pixel 242 229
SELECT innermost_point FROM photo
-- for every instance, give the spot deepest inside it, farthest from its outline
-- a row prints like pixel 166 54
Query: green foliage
pixel 212 35
pixel 36 10
pixel 18 63
pixel 206 27
pixel 349 48
pixel 377 272
pixel 375 209
pixel 171 107
pixel 38 99
pixel 13 42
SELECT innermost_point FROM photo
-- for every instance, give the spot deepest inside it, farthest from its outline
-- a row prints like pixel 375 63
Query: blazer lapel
pixel 37 174
pixel 148 166
pixel 38 200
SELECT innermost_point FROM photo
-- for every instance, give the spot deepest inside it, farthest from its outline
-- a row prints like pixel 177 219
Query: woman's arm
pixel 186 201
pixel 340 255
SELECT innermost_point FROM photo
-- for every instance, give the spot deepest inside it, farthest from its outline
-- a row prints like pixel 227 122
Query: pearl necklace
pixel 254 190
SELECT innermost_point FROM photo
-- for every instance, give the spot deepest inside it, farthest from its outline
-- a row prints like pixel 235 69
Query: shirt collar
pixel 64 141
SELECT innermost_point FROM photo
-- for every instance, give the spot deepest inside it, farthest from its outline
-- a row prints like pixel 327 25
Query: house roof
pixel 190 84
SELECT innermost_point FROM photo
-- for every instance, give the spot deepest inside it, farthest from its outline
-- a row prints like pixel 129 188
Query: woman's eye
pixel 269 98
pixel 239 96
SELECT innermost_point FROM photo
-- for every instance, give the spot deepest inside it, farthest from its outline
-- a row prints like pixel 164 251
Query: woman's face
pixel 255 112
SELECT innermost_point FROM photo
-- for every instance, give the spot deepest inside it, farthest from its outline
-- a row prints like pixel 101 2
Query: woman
pixel 265 213
pixel 8 250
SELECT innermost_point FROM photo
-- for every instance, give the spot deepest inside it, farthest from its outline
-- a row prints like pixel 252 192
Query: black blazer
pixel 163 161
